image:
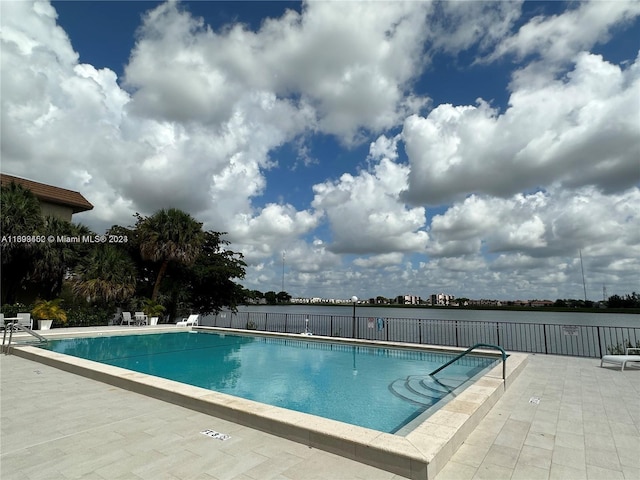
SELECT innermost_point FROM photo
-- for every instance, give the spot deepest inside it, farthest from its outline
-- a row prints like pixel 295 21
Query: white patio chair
pixel 140 318
pixel 117 318
pixel 126 318
pixel 25 320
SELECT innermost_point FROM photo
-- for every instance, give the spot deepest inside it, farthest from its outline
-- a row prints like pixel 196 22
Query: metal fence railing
pixel 572 340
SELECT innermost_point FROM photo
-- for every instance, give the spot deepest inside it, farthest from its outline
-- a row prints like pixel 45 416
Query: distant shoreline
pixel 470 307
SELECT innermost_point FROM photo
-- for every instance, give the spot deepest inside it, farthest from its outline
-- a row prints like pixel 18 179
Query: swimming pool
pixel 374 387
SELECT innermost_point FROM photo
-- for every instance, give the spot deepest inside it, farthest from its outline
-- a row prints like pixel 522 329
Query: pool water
pixel 378 388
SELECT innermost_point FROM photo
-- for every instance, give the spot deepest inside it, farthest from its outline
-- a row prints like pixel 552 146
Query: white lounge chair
pixel 191 321
pixel 141 318
pixel 622 359
pixel 126 318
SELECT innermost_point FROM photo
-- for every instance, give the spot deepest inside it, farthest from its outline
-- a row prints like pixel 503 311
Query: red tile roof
pixel 49 193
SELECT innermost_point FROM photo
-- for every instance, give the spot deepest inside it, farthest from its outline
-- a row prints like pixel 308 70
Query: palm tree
pixel 20 215
pixel 54 260
pixel 169 236
pixel 107 275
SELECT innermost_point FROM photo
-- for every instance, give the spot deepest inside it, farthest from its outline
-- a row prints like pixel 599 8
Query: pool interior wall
pixel 420 454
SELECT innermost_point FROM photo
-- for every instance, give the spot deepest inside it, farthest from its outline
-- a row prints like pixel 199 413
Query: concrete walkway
pixel 562 418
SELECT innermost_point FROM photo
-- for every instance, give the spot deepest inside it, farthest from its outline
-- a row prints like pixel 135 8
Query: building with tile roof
pixel 54 201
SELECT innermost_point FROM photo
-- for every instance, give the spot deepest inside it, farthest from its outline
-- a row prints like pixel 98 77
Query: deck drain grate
pixel 534 400
pixel 217 435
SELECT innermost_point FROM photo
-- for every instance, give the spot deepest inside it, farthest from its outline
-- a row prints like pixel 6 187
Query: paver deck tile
pixel 585 425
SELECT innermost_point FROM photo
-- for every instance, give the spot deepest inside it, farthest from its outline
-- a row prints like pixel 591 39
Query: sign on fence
pixel 570 330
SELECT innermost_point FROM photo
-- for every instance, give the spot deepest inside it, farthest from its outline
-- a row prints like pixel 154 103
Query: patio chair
pixel 25 320
pixel 191 321
pixel 140 318
pixel 622 360
pixel 126 318
pixel 117 318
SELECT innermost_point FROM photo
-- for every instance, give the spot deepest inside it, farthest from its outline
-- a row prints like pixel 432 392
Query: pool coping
pixel 420 454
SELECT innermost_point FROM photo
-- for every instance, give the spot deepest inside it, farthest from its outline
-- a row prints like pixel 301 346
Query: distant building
pixel 483 302
pixel 541 303
pixel 408 300
pixel 54 201
pixel 442 299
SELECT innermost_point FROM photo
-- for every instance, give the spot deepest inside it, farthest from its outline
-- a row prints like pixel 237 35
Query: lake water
pixel 560 333
pixel 553 318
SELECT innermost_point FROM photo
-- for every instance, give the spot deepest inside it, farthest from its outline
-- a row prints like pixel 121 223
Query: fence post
pixel 420 331
pixel 544 332
pixel 331 326
pixel 498 332
pixel 457 343
pixel 266 321
pixel 599 343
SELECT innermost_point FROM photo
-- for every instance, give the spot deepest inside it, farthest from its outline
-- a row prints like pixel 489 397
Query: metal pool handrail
pixel 468 350
pixel 13 325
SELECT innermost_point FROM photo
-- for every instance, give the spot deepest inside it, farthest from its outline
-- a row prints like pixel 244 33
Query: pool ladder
pixel 11 327
pixel 468 350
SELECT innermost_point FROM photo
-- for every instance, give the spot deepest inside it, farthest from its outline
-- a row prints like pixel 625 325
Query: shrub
pixel 12 310
pixel 49 310
pixel 621 348
pixel 88 315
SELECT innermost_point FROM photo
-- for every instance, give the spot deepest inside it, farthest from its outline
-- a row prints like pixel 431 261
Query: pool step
pixel 424 390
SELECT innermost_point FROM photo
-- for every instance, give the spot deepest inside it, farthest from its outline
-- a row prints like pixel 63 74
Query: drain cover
pixel 217 435
pixel 534 400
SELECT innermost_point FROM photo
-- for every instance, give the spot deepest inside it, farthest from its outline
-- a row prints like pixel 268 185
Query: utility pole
pixel 584 285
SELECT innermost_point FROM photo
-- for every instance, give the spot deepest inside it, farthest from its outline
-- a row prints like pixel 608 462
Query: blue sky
pixel 388 148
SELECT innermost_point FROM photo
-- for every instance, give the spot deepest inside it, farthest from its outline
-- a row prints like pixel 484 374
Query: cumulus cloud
pixel 366 215
pixel 379 261
pixel 578 130
pixel 457 26
pixel 558 38
pixel 350 78
pixel 557 222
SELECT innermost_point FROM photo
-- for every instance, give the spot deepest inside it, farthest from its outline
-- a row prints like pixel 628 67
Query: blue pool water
pixel 378 388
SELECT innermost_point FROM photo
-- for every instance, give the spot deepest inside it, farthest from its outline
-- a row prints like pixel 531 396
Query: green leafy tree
pixel 107 275
pixel 283 297
pixel 211 277
pixel 53 261
pixel 169 236
pixel 628 301
pixel 271 297
pixel 20 215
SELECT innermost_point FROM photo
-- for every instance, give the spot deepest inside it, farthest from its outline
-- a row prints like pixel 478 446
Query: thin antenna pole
pixel 584 285
pixel 282 272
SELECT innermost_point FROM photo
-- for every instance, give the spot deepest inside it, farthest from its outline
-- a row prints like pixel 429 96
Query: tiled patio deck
pixel 562 418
